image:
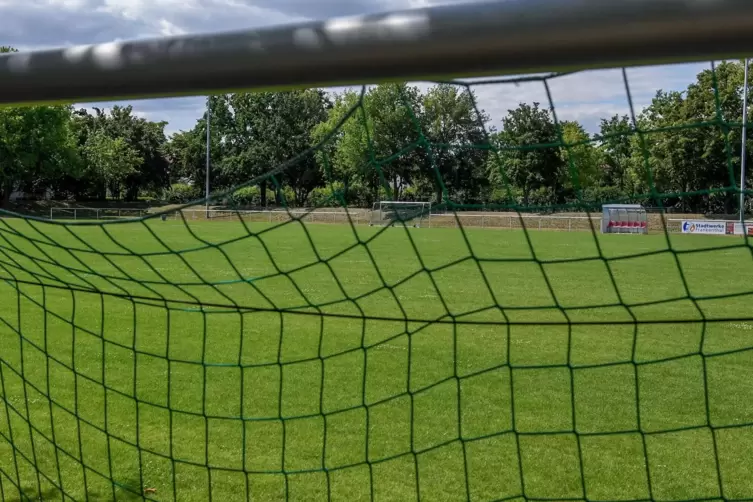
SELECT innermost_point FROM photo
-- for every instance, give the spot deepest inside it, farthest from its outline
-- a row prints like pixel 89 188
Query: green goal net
pixel 264 356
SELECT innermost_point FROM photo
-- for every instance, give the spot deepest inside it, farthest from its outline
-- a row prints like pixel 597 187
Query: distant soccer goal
pixel 409 213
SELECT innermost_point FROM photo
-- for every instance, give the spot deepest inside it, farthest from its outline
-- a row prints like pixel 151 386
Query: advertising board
pixel 704 227
pixel 737 228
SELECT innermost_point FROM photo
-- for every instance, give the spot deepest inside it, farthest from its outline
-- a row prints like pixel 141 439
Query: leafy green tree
pixel 614 134
pixel 581 159
pixel 691 149
pixel 295 114
pixel 185 153
pixel 391 111
pixel 144 138
pixel 452 124
pixel 717 147
pixel 529 156
pixel 260 131
pixel 112 160
pixel 343 146
pixel 363 150
pixel 147 138
pixel 36 145
pixel 671 160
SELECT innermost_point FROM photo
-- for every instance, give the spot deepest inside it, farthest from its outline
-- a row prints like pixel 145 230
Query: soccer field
pixel 314 362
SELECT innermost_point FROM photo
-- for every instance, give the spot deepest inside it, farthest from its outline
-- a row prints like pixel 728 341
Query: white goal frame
pixel 380 213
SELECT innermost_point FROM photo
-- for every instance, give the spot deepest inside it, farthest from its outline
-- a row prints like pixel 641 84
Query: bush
pixel 358 196
pixel 326 196
pixel 246 196
pixel 411 194
pixel 542 196
pixel 289 195
pixel 180 193
pixel 249 196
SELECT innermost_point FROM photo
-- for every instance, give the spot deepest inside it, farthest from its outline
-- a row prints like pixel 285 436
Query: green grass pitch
pixel 313 362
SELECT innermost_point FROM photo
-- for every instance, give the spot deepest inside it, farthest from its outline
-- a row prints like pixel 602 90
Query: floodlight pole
pixel 206 187
pixel 743 154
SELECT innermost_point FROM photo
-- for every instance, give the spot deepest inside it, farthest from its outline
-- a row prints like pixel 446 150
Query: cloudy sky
pixel 30 24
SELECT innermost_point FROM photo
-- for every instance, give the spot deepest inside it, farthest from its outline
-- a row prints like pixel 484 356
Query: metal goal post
pixel 465 40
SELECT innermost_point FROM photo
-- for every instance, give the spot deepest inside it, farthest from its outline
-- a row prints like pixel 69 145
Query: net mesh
pixel 280 360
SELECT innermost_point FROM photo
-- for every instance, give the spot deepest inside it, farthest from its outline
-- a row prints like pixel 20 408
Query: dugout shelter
pixel 623 219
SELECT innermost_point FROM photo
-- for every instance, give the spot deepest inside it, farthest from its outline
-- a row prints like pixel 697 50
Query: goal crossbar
pixel 505 37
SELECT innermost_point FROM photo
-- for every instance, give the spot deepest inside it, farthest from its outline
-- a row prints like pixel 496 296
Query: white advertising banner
pixel 704 227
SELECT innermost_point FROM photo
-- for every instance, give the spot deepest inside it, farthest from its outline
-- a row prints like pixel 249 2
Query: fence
pixel 356 216
pixel 95 213
pixel 510 221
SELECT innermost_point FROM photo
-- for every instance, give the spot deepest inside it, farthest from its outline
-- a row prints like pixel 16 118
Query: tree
pixel 614 134
pixel 393 126
pixel 362 150
pixel 260 131
pixel 36 145
pixel 456 131
pixel 715 97
pixel 529 164
pixel 343 145
pixel 671 156
pixel 147 138
pixel 185 153
pixel 689 150
pixel 112 160
pixel 294 116
pixel 581 159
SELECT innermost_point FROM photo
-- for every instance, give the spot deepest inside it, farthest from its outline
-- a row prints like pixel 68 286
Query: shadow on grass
pixel 123 491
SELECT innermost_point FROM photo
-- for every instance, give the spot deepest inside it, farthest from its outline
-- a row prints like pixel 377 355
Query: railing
pixel 515 221
pixel 508 221
pixel 363 217
pixel 95 213
pixel 354 216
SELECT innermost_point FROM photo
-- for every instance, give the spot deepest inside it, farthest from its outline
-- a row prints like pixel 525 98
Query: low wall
pixel 501 220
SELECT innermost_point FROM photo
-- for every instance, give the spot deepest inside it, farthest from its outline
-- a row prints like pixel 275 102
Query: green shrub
pixel 180 193
pixel 288 194
pixel 327 196
pixel 250 196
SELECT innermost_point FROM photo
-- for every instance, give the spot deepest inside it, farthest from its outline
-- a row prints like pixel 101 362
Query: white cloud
pixel 591 95
pixel 29 24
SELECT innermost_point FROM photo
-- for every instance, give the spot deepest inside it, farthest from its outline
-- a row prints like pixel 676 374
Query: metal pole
pixel 206 188
pixel 743 153
pixel 510 37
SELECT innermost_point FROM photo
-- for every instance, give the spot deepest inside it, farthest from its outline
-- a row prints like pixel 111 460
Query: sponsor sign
pixel 704 227
pixel 739 230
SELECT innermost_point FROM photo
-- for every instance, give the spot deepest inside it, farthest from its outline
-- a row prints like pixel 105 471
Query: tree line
pixel 401 143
